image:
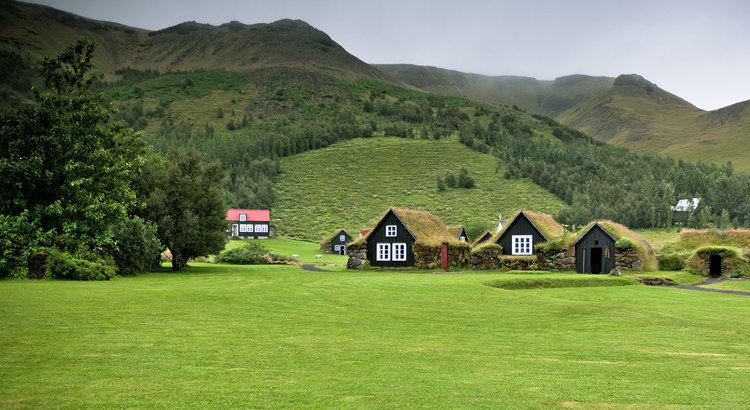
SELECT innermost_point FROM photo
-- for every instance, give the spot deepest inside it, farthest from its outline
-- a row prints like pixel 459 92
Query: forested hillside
pixel 309 95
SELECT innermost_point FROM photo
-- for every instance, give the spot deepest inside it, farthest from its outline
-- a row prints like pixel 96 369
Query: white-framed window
pixel 246 228
pixel 391 231
pixel 243 217
pixel 462 239
pixel 342 238
pixel 522 245
pixel 383 252
pixel 399 252
pixel 337 248
pixel 261 228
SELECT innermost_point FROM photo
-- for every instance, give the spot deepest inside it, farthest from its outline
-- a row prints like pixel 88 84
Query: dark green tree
pixel 186 202
pixel 64 161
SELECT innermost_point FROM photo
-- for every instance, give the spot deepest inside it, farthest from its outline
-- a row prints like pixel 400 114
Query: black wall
pixel 519 226
pixel 595 238
pixel 253 234
pixel 378 236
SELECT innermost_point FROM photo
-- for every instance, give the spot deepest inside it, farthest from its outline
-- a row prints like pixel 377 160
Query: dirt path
pixel 311 268
pixel 710 281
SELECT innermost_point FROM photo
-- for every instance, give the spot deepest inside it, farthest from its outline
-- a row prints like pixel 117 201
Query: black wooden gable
pixel 336 238
pixel 378 236
pixel 595 250
pixel 520 225
pixel 484 238
pixel 593 227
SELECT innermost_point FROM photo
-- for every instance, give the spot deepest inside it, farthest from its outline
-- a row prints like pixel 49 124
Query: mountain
pixel 537 96
pixel 40 31
pixel 627 111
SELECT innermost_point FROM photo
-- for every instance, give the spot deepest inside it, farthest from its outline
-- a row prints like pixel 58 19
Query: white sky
pixel 699 50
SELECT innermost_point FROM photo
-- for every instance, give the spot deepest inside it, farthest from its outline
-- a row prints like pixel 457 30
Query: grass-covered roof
pixel 487 234
pixel 329 238
pixel 426 227
pixel 545 223
pixel 692 239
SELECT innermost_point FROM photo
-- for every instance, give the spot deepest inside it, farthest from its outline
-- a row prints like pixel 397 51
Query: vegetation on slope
pixel 351 183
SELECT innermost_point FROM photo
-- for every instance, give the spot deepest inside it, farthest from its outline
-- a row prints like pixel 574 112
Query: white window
pixel 383 252
pixel 462 239
pixel 342 238
pixel 246 228
pixel 390 231
pixel 522 245
pixel 261 228
pixel 399 251
pixel 337 248
pixel 243 217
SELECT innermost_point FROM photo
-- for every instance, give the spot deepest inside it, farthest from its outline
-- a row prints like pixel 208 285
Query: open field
pixel 350 184
pixel 277 336
pixel 288 247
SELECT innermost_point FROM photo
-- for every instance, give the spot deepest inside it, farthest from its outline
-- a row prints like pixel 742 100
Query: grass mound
pixel 349 184
pixel 576 281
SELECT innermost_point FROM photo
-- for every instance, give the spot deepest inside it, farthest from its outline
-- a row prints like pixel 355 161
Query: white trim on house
pixel 246 228
pixel 243 217
pixel 263 228
pixel 342 238
pixel 522 245
pixel 391 231
pixel 399 252
pixel 383 252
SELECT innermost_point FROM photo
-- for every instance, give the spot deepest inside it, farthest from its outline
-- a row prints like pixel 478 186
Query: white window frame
pixel 391 231
pixel 342 238
pixel 518 243
pixel 243 217
pixel 246 228
pixel 261 228
pixel 462 239
pixel 337 248
pixel 395 254
pixel 383 252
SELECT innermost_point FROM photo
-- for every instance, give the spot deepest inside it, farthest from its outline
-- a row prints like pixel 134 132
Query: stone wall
pixel 628 260
pixel 357 256
pixel 556 259
pixel 325 247
pixel 518 263
pixel 701 265
pixel 486 257
pixel 428 256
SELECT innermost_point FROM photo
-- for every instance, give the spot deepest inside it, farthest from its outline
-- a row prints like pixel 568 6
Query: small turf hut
pixel 483 238
pixel 336 243
pixel 525 231
pixel 602 246
pixel 461 233
pixel 407 237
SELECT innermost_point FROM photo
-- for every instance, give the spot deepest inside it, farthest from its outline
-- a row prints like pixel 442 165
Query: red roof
pixel 255 215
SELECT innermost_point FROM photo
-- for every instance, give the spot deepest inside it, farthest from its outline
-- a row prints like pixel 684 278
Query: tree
pixel 64 160
pixel 464 179
pixel 186 202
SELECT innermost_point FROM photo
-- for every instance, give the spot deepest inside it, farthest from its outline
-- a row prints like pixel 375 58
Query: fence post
pixel 444 256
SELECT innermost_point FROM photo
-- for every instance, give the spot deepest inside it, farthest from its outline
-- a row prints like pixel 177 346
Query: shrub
pixel 671 262
pixel 81 266
pixel 19 238
pixel 136 246
pixel 623 243
pixel 252 253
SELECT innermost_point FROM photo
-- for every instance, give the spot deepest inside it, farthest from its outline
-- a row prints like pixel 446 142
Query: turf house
pixel 249 223
pixel 407 237
pixel 525 231
pixel 483 238
pixel 336 243
pixel 461 234
pixel 599 247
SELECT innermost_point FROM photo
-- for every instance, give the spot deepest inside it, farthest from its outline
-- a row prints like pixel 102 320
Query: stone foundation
pixel 428 256
pixel 357 256
pixel 486 257
pixel 556 259
pixel 628 260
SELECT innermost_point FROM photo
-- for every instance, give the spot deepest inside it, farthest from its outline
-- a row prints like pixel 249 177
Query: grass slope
pixel 258 336
pixel 350 184
pixel 288 247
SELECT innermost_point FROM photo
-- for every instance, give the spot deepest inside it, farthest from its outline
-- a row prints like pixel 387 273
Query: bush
pixel 19 238
pixel 81 266
pixel 623 243
pixel 252 253
pixel 671 262
pixel 136 248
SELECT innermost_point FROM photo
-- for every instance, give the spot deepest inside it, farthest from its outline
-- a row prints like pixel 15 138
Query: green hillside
pixel 537 96
pixel 349 184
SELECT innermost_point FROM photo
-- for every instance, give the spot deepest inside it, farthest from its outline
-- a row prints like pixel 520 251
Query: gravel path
pixel 710 281
pixel 312 268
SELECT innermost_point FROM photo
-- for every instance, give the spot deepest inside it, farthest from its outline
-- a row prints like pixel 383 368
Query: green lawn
pixel 288 247
pixel 660 237
pixel 350 184
pixel 680 278
pixel 277 336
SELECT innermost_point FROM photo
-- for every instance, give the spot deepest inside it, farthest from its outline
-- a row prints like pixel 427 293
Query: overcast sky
pixel 699 50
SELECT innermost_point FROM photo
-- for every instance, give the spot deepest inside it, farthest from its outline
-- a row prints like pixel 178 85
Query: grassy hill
pixel 349 184
pixel 537 96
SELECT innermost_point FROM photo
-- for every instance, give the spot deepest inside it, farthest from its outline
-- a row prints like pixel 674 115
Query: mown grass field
pixel 350 184
pixel 288 247
pixel 277 336
pixel 732 284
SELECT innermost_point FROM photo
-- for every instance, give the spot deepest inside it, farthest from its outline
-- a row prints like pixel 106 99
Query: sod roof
pixel 488 234
pixel 691 239
pixel 426 227
pixel 330 237
pixel 546 224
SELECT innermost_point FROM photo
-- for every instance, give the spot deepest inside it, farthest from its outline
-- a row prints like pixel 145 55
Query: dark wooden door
pixel 596 260
pixel 714 265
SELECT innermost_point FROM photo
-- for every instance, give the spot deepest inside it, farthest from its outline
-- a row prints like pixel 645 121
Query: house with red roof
pixel 249 223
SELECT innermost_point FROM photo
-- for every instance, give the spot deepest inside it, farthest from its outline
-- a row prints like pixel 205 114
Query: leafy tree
pixel 186 202
pixel 64 160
